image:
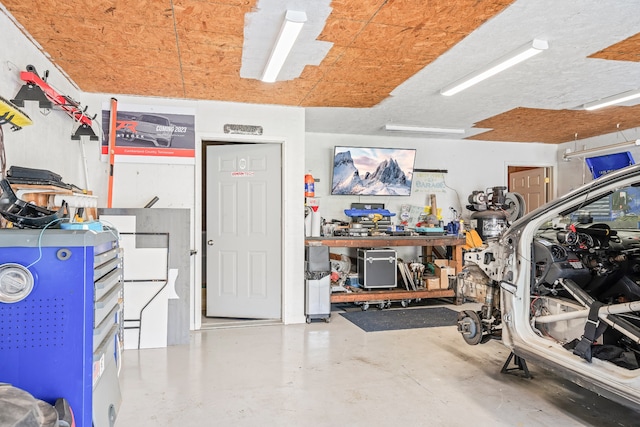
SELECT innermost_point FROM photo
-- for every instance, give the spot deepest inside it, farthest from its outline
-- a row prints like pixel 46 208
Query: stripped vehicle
pixel 561 287
pixel 148 127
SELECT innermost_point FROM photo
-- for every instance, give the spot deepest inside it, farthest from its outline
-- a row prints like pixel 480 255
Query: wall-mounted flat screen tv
pixel 372 171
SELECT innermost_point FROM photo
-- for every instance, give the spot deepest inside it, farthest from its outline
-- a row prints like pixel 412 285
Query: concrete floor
pixel 328 374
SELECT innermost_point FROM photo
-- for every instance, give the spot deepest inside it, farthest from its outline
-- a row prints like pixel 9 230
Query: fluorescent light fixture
pixel 289 32
pixel 615 99
pixel 523 53
pixel 568 154
pixel 403 128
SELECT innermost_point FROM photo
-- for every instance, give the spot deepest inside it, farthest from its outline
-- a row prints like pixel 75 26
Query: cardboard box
pixel 444 269
pixel 432 282
pixel 444 263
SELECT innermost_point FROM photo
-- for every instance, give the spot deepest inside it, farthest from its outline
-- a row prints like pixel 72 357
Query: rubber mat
pixel 396 319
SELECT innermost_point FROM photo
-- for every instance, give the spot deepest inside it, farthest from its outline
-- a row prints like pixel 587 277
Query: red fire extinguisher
pixel 309 186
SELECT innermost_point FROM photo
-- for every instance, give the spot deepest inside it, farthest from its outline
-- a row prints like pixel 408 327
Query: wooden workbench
pixel 426 242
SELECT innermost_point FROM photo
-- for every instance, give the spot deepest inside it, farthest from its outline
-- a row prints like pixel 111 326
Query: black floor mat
pixel 396 319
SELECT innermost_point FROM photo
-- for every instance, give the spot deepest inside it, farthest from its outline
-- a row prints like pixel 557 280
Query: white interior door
pixel 244 236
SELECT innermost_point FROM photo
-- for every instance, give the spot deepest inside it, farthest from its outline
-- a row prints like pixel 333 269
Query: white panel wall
pixel 47 145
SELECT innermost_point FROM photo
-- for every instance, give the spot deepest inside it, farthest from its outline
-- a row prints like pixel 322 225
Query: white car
pixel 560 287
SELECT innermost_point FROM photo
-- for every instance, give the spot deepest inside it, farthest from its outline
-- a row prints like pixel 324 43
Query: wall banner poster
pixel 429 182
pixel 151 134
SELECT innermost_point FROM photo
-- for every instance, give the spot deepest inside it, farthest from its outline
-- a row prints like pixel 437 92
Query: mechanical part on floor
pixel 37 89
pixel 20 408
pixel 494 210
pixel 521 365
pixel 11 114
pixel 28 215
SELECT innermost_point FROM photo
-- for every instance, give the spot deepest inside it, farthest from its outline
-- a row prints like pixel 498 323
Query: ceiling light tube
pixel 289 32
pixel 594 150
pixel 523 53
pixel 616 99
pixel 403 128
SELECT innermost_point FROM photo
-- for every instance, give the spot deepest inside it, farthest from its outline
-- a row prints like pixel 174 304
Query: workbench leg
pixel 427 254
pixel 457 258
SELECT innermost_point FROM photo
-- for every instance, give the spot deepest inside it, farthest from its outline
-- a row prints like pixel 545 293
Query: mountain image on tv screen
pixel 372 171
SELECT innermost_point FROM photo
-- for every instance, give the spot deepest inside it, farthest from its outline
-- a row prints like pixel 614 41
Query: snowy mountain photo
pixel 372 171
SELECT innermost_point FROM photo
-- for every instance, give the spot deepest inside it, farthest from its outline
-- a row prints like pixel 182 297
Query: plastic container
pixel 309 186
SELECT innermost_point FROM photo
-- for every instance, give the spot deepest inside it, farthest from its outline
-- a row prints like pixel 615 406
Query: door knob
pixel 210 242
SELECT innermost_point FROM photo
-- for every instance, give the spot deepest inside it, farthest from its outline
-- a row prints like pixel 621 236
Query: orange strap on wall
pixel 112 147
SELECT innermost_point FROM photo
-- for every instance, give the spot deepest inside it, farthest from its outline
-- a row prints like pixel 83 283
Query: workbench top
pixel 380 241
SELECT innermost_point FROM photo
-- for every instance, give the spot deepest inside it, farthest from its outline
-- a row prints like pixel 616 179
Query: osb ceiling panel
pixel 557 126
pixel 626 50
pixel 193 49
pixel 388 45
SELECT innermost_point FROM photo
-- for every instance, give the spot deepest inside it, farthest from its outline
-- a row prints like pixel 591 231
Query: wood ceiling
pixel 193 49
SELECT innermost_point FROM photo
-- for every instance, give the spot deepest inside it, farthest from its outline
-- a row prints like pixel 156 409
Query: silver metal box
pixel 377 268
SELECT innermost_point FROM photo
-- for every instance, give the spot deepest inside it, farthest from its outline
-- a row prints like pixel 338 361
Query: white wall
pixel 471 165
pixel 47 145
pixel 574 172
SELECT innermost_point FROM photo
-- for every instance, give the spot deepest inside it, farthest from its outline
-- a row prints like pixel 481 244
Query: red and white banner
pixel 150 134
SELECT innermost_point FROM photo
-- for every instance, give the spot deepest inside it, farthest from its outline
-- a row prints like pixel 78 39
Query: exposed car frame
pixel 537 290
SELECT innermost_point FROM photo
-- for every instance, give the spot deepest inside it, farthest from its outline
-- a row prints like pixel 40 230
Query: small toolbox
pixel 377 268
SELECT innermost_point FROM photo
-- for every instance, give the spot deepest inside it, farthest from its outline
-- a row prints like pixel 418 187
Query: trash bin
pixel 317 283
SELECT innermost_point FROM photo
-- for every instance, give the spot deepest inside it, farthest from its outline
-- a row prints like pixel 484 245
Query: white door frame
pixel 196 291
